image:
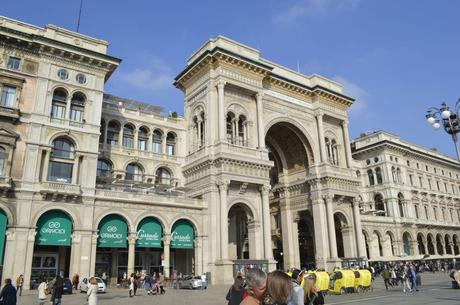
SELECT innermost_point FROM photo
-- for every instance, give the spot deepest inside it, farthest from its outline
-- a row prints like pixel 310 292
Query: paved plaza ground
pixel 435 290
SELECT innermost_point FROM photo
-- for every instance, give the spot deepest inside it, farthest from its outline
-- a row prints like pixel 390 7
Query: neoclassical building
pixel 258 171
pixel 409 197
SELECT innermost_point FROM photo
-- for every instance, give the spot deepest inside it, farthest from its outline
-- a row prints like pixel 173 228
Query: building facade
pixel 258 170
pixel 410 199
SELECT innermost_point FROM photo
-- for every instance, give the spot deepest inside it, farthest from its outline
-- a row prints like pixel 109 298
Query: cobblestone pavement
pixel 435 290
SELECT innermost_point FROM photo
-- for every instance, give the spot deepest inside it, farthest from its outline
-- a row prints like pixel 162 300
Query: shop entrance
pixel 52 247
pixel 182 248
pixel 111 253
pixel 149 246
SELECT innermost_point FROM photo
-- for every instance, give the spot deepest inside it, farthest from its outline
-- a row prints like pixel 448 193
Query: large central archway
pixel 240 231
pixel 289 149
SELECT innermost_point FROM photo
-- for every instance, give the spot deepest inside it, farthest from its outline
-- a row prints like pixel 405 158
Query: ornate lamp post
pixel 450 121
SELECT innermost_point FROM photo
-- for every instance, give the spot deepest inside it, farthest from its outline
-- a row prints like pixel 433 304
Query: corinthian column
pixel 260 121
pixel 221 110
pixel 322 145
pixel 223 187
pixel 264 189
pixel 331 226
pixel 358 229
pixel 346 142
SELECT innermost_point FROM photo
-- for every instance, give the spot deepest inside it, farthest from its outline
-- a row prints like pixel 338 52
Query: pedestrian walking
pixel 58 290
pixel 297 293
pixel 42 291
pixel 92 291
pixel 203 281
pixel 75 281
pixel 413 278
pixel 104 278
pixel 394 278
pixel 235 293
pixel 161 283
pixel 8 294
pixel 312 293
pixel 386 277
pixel 131 285
pixel 279 288
pixel 256 285
pixel 19 284
pixel 407 286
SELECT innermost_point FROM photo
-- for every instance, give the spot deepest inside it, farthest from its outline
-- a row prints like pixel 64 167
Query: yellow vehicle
pixel 322 279
pixel 363 280
pixel 343 281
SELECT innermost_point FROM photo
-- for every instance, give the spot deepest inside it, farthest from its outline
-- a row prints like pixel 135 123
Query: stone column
pixel 131 252
pixel 254 251
pixel 92 263
pixel 346 143
pixel 67 108
pixel 198 255
pixel 288 237
pixel 260 121
pixel 331 226
pixel 136 138
pixel 163 143
pixel 75 254
pixel 46 163
pixel 199 141
pixel 166 243
pixel 425 245
pixel 223 187
pixel 120 135
pixel 105 133
pixel 76 163
pixel 267 234
pixel 321 232
pixel 221 110
pixel 361 246
pixel 295 237
pixel 319 117
pixel 452 249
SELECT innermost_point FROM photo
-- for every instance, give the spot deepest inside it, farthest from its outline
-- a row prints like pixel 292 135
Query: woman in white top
pixel 42 291
pixel 92 292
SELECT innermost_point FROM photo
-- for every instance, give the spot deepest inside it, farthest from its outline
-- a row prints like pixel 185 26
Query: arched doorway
pixel 306 241
pixel 291 153
pixel 112 248
pixel 339 223
pixel 240 231
pixel 149 244
pixel 439 245
pixel 421 243
pixel 406 244
pixel 183 247
pixel 52 247
pixel 430 244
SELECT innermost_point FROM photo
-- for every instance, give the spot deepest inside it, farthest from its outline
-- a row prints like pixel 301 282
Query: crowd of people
pixel 274 288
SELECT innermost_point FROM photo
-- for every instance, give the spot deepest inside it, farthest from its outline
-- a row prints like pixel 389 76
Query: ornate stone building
pixel 259 170
pixel 410 199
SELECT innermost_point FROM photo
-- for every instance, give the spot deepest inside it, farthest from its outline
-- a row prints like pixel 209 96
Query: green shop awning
pixel 182 235
pixel 3 224
pixel 112 232
pixel 54 228
pixel 149 233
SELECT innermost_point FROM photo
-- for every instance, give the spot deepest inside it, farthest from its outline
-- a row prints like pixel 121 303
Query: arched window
pixel 156 141
pixel 133 172
pixel 142 138
pixel 370 175
pixel 171 144
pixel 128 136
pixel 426 212
pixel 230 128
pixel 242 132
pixel 59 103
pixel 162 176
pixel 416 212
pixel 401 205
pixel 379 204
pixel 77 107
pixel 2 161
pixel 421 244
pixel 61 161
pixel 435 213
pixel 104 169
pixel 393 174
pixel 406 244
pixel 199 130
pixel 102 131
pixel 335 152
pixel 113 132
pixel 378 174
pixel 398 175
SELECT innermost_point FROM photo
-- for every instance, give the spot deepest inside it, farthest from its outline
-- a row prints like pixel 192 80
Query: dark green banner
pixel 3 224
pixel 182 235
pixel 54 228
pixel 149 233
pixel 112 232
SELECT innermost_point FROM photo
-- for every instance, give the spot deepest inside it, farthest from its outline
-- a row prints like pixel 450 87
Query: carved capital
pixel 319 113
pixel 265 189
pixel 223 184
pixel 221 84
pixel 328 197
pixel 259 96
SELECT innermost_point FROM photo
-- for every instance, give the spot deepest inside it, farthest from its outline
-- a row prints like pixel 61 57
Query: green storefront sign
pixel 53 229
pixel 112 232
pixel 182 235
pixel 149 234
pixel 3 224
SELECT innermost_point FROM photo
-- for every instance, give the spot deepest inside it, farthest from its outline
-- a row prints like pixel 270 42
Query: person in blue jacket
pixel 8 294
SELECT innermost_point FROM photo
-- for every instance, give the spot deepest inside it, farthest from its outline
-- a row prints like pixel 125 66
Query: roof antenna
pixel 79 16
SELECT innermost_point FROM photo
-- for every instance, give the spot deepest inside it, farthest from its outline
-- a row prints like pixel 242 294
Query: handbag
pixel 312 300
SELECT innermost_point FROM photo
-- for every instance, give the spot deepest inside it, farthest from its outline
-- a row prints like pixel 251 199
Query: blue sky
pixel 397 58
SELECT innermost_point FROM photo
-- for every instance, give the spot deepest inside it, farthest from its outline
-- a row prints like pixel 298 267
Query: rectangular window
pixel 142 145
pixel 112 138
pixel 7 97
pixel 429 184
pixel 411 180
pixel 420 181
pixel 170 149
pixel 13 63
pixel 58 110
pixel 60 172
pixel 76 113
pixel 128 142
pixel 156 147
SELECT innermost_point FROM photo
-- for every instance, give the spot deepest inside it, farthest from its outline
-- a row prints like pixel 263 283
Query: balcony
pixel 118 149
pixel 60 191
pixel 9 113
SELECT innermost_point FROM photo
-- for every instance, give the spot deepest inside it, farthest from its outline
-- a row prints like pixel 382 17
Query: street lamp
pixel 450 121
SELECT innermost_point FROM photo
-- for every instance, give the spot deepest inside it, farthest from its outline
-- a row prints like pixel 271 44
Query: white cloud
pixel 154 75
pixel 353 90
pixel 294 12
